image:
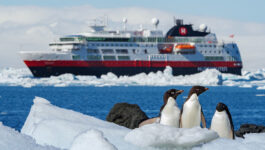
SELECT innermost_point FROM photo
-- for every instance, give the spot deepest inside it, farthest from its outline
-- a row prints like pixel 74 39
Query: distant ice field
pixel 210 77
pixel 246 104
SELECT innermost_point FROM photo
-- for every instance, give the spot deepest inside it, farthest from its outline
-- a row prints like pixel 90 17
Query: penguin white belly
pixel 221 124
pixel 170 114
pixel 191 114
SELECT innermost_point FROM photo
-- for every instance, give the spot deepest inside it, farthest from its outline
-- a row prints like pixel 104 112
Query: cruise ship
pixel 129 52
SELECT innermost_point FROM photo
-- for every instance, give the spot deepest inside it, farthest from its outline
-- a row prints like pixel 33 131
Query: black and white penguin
pixel 169 112
pixel 173 93
pixel 191 112
pixel 222 122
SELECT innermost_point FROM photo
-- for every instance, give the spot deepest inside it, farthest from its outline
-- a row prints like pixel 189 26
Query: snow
pixel 93 139
pixel 251 141
pixel 66 129
pixel 51 125
pixel 13 140
pixel 157 135
pixel 209 77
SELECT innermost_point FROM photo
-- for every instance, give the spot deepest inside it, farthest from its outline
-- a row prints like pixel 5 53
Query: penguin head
pixel 221 107
pixel 172 93
pixel 198 90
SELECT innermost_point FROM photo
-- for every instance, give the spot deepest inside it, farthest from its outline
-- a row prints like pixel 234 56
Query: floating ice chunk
pixel 22 77
pixel 13 140
pixel 246 86
pixel 157 135
pixel 251 142
pixel 51 125
pixel 261 88
pixel 92 139
pixel 65 129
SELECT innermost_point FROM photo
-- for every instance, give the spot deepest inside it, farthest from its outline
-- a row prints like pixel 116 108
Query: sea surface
pixel 246 105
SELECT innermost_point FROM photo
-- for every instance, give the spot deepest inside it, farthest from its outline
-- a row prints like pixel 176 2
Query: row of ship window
pixel 111 51
pixel 208 46
pixel 125 51
pixel 138 45
pixel 98 57
pixel 121 44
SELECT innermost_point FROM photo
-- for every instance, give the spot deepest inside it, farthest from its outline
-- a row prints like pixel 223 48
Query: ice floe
pixel 210 77
pixel 66 129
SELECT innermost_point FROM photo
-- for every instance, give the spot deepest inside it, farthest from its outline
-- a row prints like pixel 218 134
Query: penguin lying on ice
pixel 222 122
pixel 173 93
pixel 191 112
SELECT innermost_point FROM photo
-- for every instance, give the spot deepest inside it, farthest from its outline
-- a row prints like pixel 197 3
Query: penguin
pixel 191 112
pixel 169 93
pixel 169 112
pixel 222 122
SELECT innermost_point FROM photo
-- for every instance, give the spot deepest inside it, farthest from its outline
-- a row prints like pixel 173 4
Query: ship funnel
pixel 179 22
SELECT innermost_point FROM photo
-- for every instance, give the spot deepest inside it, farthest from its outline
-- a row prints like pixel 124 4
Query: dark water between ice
pixel 247 105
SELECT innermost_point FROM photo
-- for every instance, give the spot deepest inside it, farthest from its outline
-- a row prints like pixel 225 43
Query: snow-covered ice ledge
pixel 66 129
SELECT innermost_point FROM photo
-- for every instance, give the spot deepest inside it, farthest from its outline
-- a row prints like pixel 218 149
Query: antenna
pixel 124 20
pixel 174 20
pixel 155 22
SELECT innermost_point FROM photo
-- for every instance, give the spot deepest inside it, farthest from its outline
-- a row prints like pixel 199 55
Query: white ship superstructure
pixel 126 52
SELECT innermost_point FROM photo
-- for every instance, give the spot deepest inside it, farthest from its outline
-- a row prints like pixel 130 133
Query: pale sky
pixel 32 24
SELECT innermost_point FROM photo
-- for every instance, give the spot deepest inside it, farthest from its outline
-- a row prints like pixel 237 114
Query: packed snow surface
pixel 66 129
pixel 163 136
pixel 92 139
pixel 211 77
pixel 13 140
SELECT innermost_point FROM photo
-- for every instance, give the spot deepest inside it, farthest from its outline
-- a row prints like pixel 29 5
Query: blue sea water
pixel 247 105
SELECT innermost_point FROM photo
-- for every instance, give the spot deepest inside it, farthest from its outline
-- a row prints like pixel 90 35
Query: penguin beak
pixel 206 89
pixel 180 91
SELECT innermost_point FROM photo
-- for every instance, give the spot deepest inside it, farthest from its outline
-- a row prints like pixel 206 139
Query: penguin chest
pixel 191 114
pixel 221 124
pixel 170 116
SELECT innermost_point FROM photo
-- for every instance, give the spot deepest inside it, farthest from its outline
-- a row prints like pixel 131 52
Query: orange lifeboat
pixel 184 46
pixel 185 49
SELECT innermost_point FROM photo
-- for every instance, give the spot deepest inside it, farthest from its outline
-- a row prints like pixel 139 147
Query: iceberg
pixel 23 77
pixel 209 77
pixel 66 129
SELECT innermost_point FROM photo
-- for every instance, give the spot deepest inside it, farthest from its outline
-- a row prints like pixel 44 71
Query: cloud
pixel 33 27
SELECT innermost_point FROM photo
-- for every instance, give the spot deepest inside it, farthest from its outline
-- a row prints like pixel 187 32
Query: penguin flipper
pixel 232 134
pixel 203 120
pixel 180 124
